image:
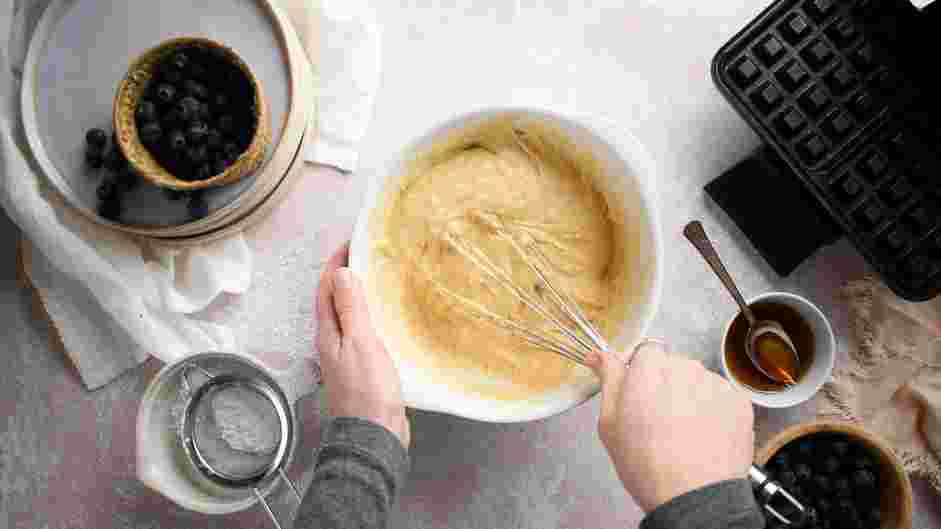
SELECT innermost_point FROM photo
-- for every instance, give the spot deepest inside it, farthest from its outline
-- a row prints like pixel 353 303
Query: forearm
pixel 360 469
pixel 725 505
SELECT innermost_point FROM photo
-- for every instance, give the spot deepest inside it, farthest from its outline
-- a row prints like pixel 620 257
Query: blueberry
pixel 198 207
pixel 787 478
pixel 822 484
pixel 840 448
pixel 205 112
pixel 781 459
pixel 197 155
pixel 214 139
pixel 110 209
pixel 218 55
pixel 801 494
pixel 166 93
pixel 187 173
pixel 845 507
pixel 151 133
pixel 851 522
pixel 196 133
pixel 204 172
pixel 803 472
pixel 805 448
pixel 231 150
pixel 831 465
pixel 94 159
pixel 187 108
pixel 171 75
pixel 226 123
pixel 233 74
pixel 114 160
pixel 96 139
pixel 842 487
pixel 128 179
pixel 197 71
pixel 219 167
pixel 809 519
pixel 146 112
pixel 107 190
pixel 220 101
pixel 177 140
pixel 862 462
pixel 180 61
pixel 217 155
pixel 864 480
pixel 244 137
pixel 172 120
pixel 174 194
pixel 195 89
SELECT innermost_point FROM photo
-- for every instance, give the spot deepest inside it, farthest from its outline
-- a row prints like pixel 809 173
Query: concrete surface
pixel 66 455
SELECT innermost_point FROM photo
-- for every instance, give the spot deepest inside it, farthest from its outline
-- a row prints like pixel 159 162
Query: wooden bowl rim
pixel 129 139
pixel 872 441
pixel 248 220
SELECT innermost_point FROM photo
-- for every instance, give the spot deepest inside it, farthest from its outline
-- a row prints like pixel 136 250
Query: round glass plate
pixel 80 51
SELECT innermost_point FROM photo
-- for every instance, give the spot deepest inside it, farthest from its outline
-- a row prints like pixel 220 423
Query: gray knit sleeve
pixel 724 505
pixel 360 469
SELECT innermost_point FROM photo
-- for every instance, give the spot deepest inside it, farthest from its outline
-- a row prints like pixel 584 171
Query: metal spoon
pixel 757 329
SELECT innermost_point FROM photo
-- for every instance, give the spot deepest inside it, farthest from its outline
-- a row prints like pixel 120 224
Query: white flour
pixel 246 422
pixel 277 313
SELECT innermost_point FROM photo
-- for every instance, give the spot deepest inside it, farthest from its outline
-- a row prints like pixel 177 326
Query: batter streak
pixel 536 185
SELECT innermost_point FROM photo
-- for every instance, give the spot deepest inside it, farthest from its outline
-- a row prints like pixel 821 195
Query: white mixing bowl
pixel 629 187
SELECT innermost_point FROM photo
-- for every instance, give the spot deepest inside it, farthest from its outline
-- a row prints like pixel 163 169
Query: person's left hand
pixel 359 376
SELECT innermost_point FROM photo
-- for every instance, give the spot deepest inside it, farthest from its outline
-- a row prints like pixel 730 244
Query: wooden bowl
pixel 896 503
pixel 132 88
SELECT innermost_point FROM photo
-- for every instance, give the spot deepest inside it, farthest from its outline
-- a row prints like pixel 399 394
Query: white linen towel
pixel 111 306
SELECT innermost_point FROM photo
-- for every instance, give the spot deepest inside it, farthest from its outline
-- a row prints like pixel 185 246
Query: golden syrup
pixel 776 357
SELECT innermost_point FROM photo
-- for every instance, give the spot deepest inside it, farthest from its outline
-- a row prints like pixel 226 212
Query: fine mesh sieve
pixel 214 442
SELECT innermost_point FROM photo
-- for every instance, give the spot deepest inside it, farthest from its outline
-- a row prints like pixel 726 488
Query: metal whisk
pixel 579 337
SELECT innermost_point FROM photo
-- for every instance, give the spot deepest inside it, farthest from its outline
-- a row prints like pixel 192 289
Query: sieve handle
pixel 264 501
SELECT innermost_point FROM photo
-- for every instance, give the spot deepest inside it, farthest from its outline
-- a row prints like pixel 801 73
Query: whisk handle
pixel 774 499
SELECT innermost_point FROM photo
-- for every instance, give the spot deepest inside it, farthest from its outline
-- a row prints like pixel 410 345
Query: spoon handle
pixel 696 234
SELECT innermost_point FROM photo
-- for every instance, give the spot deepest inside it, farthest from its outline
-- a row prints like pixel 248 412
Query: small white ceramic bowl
pixel 629 181
pixel 824 354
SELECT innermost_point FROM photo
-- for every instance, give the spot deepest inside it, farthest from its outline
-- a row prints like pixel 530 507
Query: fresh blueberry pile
pixel 120 178
pixel 837 479
pixel 197 114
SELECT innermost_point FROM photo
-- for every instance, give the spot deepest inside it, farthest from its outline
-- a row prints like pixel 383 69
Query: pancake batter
pixel 527 177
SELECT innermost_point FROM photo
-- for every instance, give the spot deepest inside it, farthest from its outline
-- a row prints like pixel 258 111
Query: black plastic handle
pixel 769 203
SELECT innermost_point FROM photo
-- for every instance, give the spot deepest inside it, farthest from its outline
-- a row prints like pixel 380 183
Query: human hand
pixel 359 376
pixel 670 426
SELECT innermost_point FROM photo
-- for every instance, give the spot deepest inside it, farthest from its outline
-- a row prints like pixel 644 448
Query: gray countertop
pixel 67 455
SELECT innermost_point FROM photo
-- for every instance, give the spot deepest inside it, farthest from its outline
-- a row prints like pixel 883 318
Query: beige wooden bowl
pixel 132 88
pixel 896 503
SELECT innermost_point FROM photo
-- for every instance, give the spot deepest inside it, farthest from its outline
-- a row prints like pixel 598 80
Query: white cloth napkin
pixel 111 304
pixel 348 72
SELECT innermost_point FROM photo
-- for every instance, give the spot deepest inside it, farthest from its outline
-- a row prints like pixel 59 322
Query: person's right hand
pixel 670 426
